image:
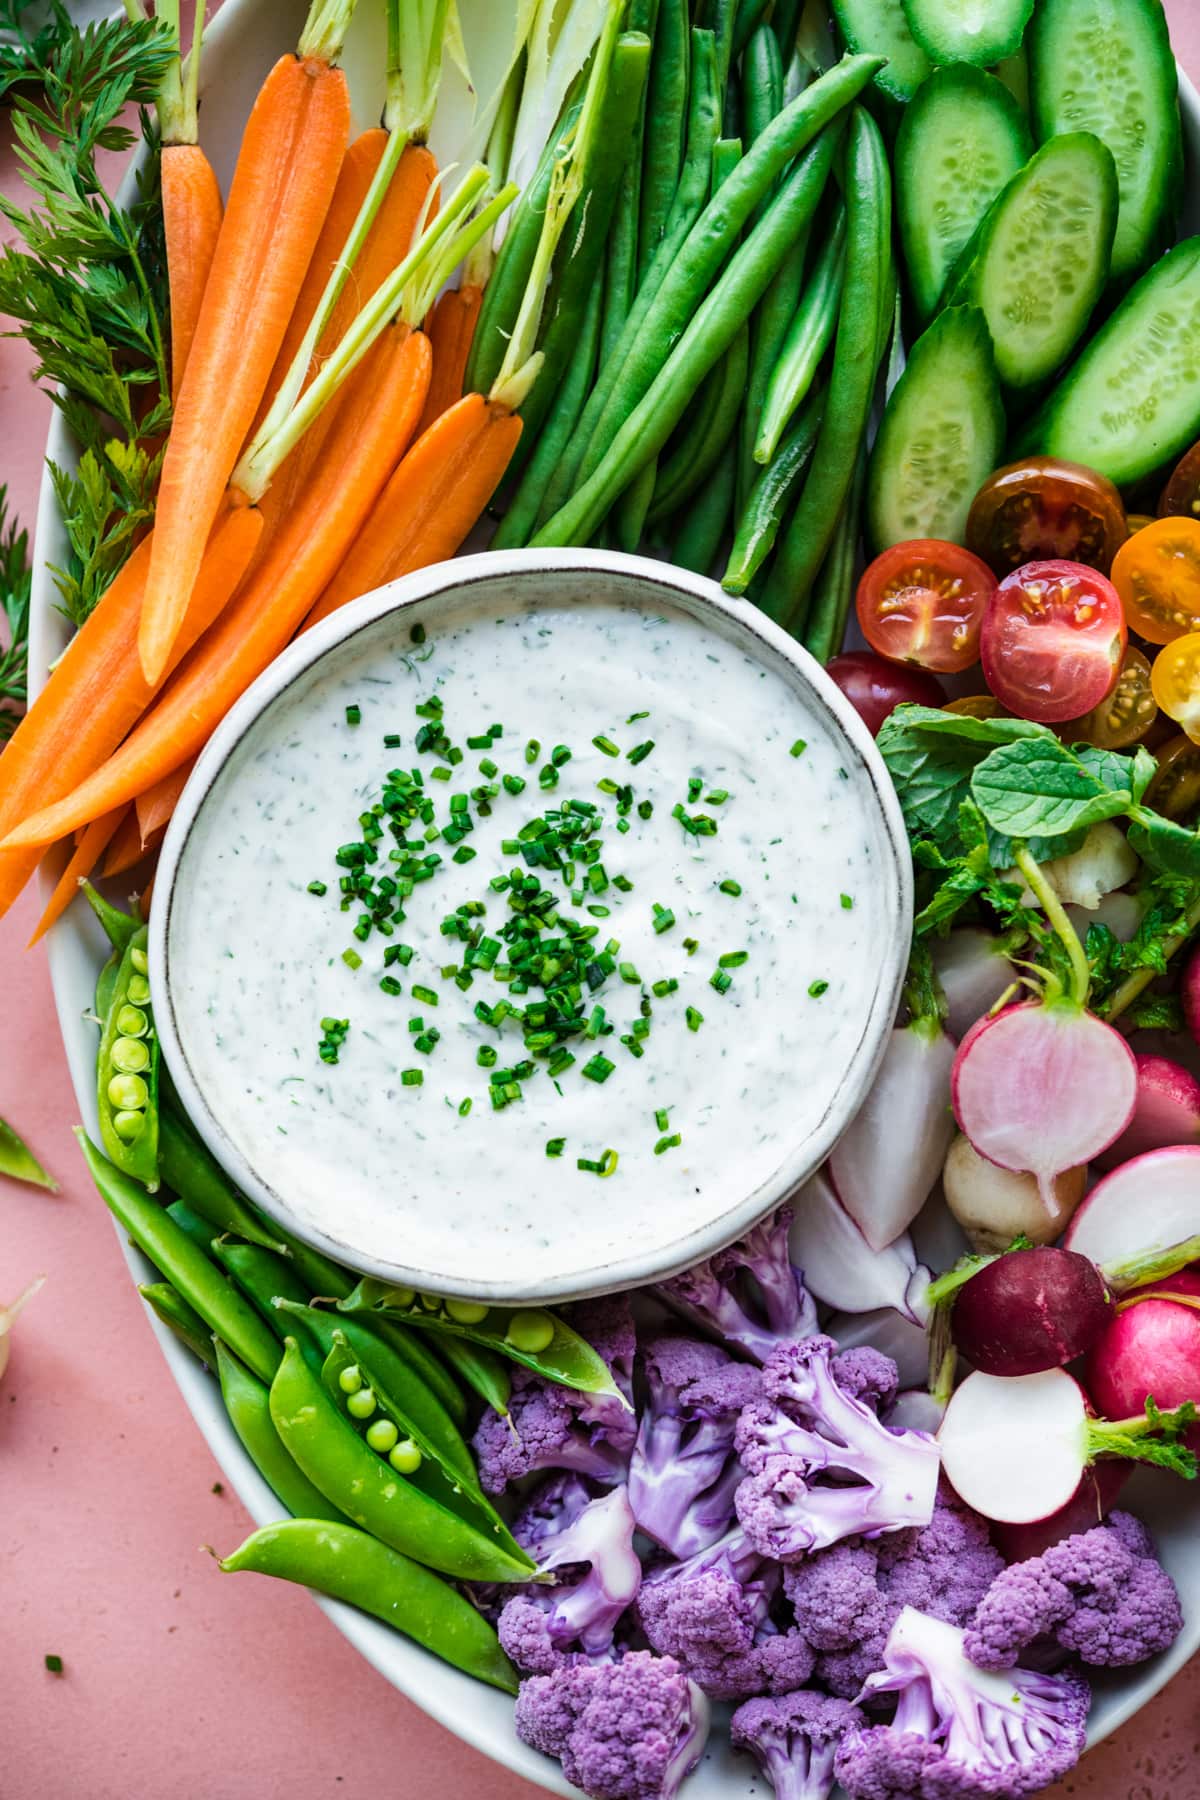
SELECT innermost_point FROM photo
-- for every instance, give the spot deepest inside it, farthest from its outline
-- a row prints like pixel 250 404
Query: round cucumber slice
pixel 1106 66
pixel 1040 259
pixel 941 435
pixel 971 31
pixel 879 28
pixel 961 141
pixel 1132 401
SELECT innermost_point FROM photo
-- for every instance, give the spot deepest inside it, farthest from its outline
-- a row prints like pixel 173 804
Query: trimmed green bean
pixel 347 1471
pixel 348 1565
pixel 248 1404
pixel 518 522
pixel 185 1265
pixel 167 1304
pixel 764 83
pixel 787 593
pixel 785 22
pixel 666 105
pixel 808 339
pixel 833 591
pixel 632 507
pixel 699 538
pixel 485 1373
pixel 189 1168
pixel 720 16
pixel 750 17
pixel 702 444
pixel 769 499
pixel 264 1278
pixel 621 253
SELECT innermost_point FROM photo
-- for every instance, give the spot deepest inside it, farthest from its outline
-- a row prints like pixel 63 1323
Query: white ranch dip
pixel 399 1170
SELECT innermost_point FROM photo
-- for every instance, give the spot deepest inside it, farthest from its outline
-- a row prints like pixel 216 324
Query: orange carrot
pixel 431 502
pixel 128 847
pixel 373 428
pixel 93 842
pixel 191 204
pixel 451 328
pixel 155 806
pixel 287 167
pixel 97 691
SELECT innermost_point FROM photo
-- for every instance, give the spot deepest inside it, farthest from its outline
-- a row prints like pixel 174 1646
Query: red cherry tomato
pixel 923 602
pixel 1043 507
pixel 1182 493
pixel 1052 641
pixel 875 687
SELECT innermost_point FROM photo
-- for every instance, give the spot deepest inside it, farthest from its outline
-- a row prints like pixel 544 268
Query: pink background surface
pixel 177 1679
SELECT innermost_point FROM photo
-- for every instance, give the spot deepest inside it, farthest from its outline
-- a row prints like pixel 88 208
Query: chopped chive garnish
pixel 721 981
pixel 847 903
pixel 634 717
pixel 604 1166
pixel 694 1019
pixel 661 989
pixel 555 1146
pixel 817 988
pixel 425 995
pixel 606 745
pixel 417 634
pixel 718 797
pixel 695 789
pixel 598 1069
pixel 532 750
pixel 464 854
pixel 662 1118
pixel 798 748
pixel 640 752
pixel 352 959
pixel 645 809
pixel 398 953
pixel 390 985
pixel 733 959
pixel 354 714
pixel 628 972
pixel 733 888
pixel 317 887
pixel 691 945
pixel 560 755
pixel 412 1077
pixel 668 1143
pixel 391 740
pixel 441 773
pixel 485 1056
pixel 464 1107
pixel 664 918
pixel 479 743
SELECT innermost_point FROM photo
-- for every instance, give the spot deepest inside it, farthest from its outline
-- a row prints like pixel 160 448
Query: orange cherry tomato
pixel 1175 788
pixel 1043 508
pixel 1181 496
pixel 1175 679
pixel 923 602
pixel 1052 641
pixel 976 706
pixel 1157 574
pixel 1124 716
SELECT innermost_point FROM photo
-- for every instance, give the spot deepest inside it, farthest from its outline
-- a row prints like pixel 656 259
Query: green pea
pixel 404 1457
pixel 129 1126
pixel 467 1312
pixel 530 1332
pixel 350 1380
pixel 431 1302
pixel 128 1093
pixel 129 1056
pixel 382 1436
pixel 406 1296
pixel 361 1404
pixel 138 988
pixel 140 961
pixel 132 1022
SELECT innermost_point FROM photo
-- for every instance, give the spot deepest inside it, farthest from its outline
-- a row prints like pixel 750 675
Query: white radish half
pixel 1015 1446
pixel 1146 1206
pixel 973 974
pixel 839 1265
pixel 8 1315
pixel 890 1155
pixel 1043 1088
pixel 995 1205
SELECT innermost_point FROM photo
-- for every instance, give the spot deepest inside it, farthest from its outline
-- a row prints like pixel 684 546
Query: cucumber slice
pixel 941 435
pixel 961 141
pixel 1132 401
pixel 970 31
pixel 1039 261
pixel 1106 66
pixel 879 28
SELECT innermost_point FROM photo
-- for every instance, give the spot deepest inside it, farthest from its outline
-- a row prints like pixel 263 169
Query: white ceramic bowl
pixel 243 39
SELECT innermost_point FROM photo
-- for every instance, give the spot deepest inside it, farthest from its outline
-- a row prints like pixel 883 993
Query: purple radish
pixel 1015 1447
pixel 891 1154
pixel 1091 1502
pixel 1032 1310
pixel 839 1265
pixel 974 972
pixel 1152 1347
pixel 1143 1220
pixel 1043 1087
pixel 995 1205
pixel 1166 1111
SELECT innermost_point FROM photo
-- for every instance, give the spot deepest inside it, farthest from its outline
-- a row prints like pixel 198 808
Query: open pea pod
pixel 127 1069
pixel 119 927
pixel 436 1476
pixel 530 1335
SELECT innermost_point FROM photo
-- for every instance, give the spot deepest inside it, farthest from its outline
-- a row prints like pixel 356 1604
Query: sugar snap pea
pixel 769 499
pixel 368 1490
pixel 248 1404
pixel 169 1305
pixel 663 148
pixel 189 1168
pixel 197 1279
pixel 519 520
pixel 699 537
pixel 833 590
pixel 127 1068
pixel 324 1279
pixel 119 926
pixel 198 1230
pixel 264 1278
pixel 348 1565
pixel 485 1373
pixel 808 338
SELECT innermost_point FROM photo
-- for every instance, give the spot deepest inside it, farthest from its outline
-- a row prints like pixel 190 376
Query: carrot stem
pixel 325 30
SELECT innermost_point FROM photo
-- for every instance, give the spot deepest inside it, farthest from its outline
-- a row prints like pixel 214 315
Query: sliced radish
pixel 973 972
pixel 1133 1220
pixel 916 1409
pixel 995 1205
pixel 1166 1112
pixel 1088 1505
pixel 891 1154
pixel 839 1265
pixel 1043 1088
pixel 1032 1310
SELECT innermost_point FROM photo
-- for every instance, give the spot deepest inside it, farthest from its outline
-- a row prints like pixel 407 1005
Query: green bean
pixel 621 253
pixel 185 1265
pixel 666 106
pixel 506 285
pixel 127 1069
pixel 196 1229
pixel 834 587
pixel 119 927
pixel 348 1565
pixel 347 1471
pixel 399 1377
pixel 764 83
pixel 720 17
pixel 189 1168
pixel 769 499
pixel 264 1278
pixel 808 339
pixel 485 1373
pixel 169 1305
pixel 651 334
pixel 699 538
pixel 785 21
pixel 852 379
pixel 248 1404
pixel 701 444
pixel 750 17
pixel 629 513
pixel 519 520
pixel 710 332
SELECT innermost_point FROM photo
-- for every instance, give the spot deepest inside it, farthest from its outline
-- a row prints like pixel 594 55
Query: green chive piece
pixel 352 959
pixel 555 1146
pixel 606 1164
pixel 662 1118
pixel 694 1019
pixel 640 752
pixel 732 888
pixel 691 945
pixel 664 918
pixel 798 748
pixel 464 1107
pixel 354 714
pixel 721 981
pixel 668 1143
pixel 317 887
pixel 817 988
pixel 718 797
pixel 598 1069
pixel 628 973
pixel 606 745
pixel 412 1077
pixel 733 959
pixel 390 985
pixel 847 903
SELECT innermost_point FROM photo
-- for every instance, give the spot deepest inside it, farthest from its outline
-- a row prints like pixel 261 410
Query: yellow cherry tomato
pixel 1157 574
pixel 1175 681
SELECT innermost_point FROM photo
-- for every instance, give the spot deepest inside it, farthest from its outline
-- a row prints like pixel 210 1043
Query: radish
pixel 916 1409
pixel 1143 1220
pixel 1015 1447
pixel 1088 1506
pixel 839 1265
pixel 1166 1111
pixel 974 972
pixel 1031 1310
pixel 1190 993
pixel 995 1205
pixel 891 1154
pixel 1152 1346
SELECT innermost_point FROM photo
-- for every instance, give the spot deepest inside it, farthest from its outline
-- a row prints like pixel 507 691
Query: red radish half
pixel 1088 1506
pixel 1032 1310
pixel 1145 1207
pixel 839 1265
pixel 1043 1087
pixel 1166 1111
pixel 891 1153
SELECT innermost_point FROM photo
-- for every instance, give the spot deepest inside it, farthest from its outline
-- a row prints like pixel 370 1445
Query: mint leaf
pixel 1171 849
pixel 1142 773
pixel 1037 787
pixel 931 756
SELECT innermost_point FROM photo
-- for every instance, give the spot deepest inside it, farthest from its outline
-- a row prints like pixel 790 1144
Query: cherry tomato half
pixel 1138 522
pixel 1157 574
pixel 1181 496
pixel 1125 715
pixel 875 687
pixel 1042 508
pixel 1175 788
pixel 923 602
pixel 977 706
pixel 1052 641
pixel 1175 679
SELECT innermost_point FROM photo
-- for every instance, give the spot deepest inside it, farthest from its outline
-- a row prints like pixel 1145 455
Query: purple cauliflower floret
pixel 750 1296
pixel 714 1615
pixel 960 1732
pixel 794 1739
pixel 1102 1594
pixel 555 1427
pixel 628 1730
pixel 588 1545
pixel 685 1471
pixel 847 1598
pixel 868 1375
pixel 821 1466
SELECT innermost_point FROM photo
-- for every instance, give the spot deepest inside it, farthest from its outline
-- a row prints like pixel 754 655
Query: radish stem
pixel 1129 989
pixel 1051 905
pixel 1153 1265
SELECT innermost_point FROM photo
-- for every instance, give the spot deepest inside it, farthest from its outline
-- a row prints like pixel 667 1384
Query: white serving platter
pixel 243 40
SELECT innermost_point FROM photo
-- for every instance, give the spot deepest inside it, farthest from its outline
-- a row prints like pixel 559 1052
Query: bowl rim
pixel 451 583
